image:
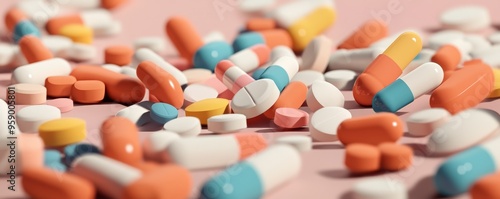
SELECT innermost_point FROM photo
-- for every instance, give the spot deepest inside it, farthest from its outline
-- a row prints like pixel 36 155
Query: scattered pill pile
pixel 224 88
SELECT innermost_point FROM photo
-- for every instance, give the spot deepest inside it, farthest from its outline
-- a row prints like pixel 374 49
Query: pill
pixel 114 28
pixel 120 140
pixel 144 54
pixel 466 88
pixel 293 96
pixel 424 122
pixel 362 158
pixel 488 56
pixel 271 38
pixel 118 54
pixel 325 121
pixel 226 123
pixel 112 4
pixel 255 98
pixel 154 147
pixel 19 25
pixel 494 37
pixel 323 94
pixel 207 108
pixel 341 79
pixel 29 122
pixel 42 182
pixel 251 58
pixel 458 173
pixel 223 149
pixel 78 33
pixel 80 52
pixel 93 18
pixel 197 92
pixel 423 57
pixel 300 142
pixel 87 91
pixel 29 154
pixel 443 37
pixel 386 67
pixel 112 67
pixel 129 71
pixel 449 56
pixel 486 187
pixel 184 126
pixel 156 44
pixel 291 118
pixel 161 113
pixel 197 75
pixel 63 104
pixel 59 86
pixel 138 113
pixel 7 54
pixel 316 54
pixel 368 33
pixel 259 23
pixel 29 94
pixel 308 77
pixel 214 36
pixel 33 49
pixel 495 93
pixel 62 132
pixel 36 73
pixel 478 42
pixel 74 151
pixel 265 171
pixel 406 89
pixel 278 52
pixel 255 5
pixel 466 18
pixel 454 135
pixel 276 73
pixel 52 160
pixel 375 188
pixel 371 129
pixel 289 64
pixel 356 59
pixel 395 157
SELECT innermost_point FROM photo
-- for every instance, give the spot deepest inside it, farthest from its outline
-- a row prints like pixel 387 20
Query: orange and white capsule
pixel 232 76
pixel 450 56
pixel 251 58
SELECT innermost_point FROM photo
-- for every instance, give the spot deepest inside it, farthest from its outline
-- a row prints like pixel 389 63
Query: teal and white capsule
pixel 256 175
pixel 404 90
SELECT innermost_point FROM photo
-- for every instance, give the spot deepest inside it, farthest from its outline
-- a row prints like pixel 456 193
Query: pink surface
pixel 323 174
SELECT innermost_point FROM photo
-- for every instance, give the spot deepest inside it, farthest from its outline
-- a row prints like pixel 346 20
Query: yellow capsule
pixel 495 93
pixel 304 30
pixel 404 49
pixel 78 33
pixel 207 108
pixel 61 132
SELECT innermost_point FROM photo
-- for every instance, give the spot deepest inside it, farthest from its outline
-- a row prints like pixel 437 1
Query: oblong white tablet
pixel 80 52
pixel 316 54
pixel 255 98
pixel 440 38
pixel 255 5
pixel 197 75
pixel 227 123
pixel 97 18
pixel 379 188
pixel 342 79
pixel 129 71
pixel 356 59
pixel 422 123
pixel 466 18
pixel 137 113
pixel 478 42
pixel 114 28
pixel 464 130
pixel 324 123
pixel 113 67
pixel 30 118
pixel 323 94
pixel 300 142
pixel 308 77
pixel 156 44
pixel 56 44
pixel 37 72
pixel 156 144
pixel 198 92
pixel 184 126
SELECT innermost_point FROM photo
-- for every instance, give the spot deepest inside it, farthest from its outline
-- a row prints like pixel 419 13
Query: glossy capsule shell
pixel 370 32
pixel 210 54
pixel 120 138
pixel 184 37
pixel 304 30
pixel 19 25
pixel 272 38
pixel 372 129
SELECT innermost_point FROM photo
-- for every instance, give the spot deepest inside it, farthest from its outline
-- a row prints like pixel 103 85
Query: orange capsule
pixel 55 24
pixel 87 91
pixel 293 96
pixel 486 187
pixel 12 17
pixel 272 38
pixel 373 129
pixel 448 57
pixel 362 158
pixel 59 86
pixel 395 156
pixel 43 182
pixel 111 4
pixel 448 74
pixel 466 88
pixel 33 49
pixel 161 84
pixel 120 140
pixel 367 34
pixel 118 55
pixel 184 37
pixel 257 24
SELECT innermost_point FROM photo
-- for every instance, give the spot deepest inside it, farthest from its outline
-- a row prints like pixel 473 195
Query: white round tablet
pixel 114 28
pixel 30 118
pixel 478 42
pixel 423 122
pixel 227 123
pixel 300 142
pixel 156 44
pixel 316 54
pixel 438 39
pixel 56 44
pixel 184 126
pixel 308 77
pixel 494 37
pixel 379 188
pixel 198 92
pixel 323 94
pixel 324 123
pixel 255 98
pixel 80 52
pixel 466 18
pixel 342 79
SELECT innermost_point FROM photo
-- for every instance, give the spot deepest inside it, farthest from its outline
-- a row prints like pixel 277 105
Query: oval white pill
pixel 478 42
pixel 37 72
pixel 156 44
pixel 342 79
pixel 227 123
pixel 379 188
pixel 300 142
pixel 255 98
pixel 184 126
pixel 114 28
pixel 323 94
pixel 494 38
pixel 466 18
pixel 57 44
pixel 137 113
pixel 31 117
pixel 444 37
pixel 113 67
pixel 198 92
pixel 324 123
pixel 316 54
pixel 255 5
pixel 422 123
pixel 308 77
pixel 80 52
pixel 129 71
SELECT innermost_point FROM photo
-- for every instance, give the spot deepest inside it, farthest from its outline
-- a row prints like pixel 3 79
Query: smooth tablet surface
pixel 371 129
pixel 161 113
pixel 379 188
pixel 438 39
pixel 31 117
pixel 395 156
pixel 207 108
pixel 291 118
pixel 308 77
pixel 30 94
pixel 118 54
pixel 324 123
pixel 88 91
pixel 362 158
pixel 197 92
pixel 160 83
pixel 56 43
pixel 342 79
pixel 317 54
pixel 323 94
pixel 466 18
pixel 293 96
pixel 120 140
pixel 80 52
pixel 42 182
pixel 184 126
pixel 255 98
pixel 37 72
pixel 227 123
pixel 156 44
pixel 61 132
pixel 197 75
pixel 300 142
pixel 59 86
pixel 423 122
pixel 63 104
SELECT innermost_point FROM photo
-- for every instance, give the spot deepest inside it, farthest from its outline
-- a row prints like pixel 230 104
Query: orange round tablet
pixel 372 129
pixel 259 23
pixel 118 55
pixel 448 57
pixel 362 158
pixel 33 49
pixel 87 91
pixel 120 140
pixel 486 187
pixel 293 96
pixel 55 24
pixel 367 34
pixel 59 86
pixel 395 156
pixel 184 37
pixel 43 182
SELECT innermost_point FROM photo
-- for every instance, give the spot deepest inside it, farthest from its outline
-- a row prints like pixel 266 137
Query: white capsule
pixel 137 113
pixel 251 58
pixel 280 51
pixel 287 14
pixel 356 60
pixel 156 144
pixel 83 4
pixel 29 121
pixel 423 57
pixel 227 123
pixel 156 44
pixel 145 54
pixel 184 126
pixel 37 72
pixel 289 64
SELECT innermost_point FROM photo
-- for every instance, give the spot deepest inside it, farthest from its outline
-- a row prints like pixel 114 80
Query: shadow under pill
pixel 327 146
pixel 347 195
pixel 344 173
pixel 353 105
pixel 424 188
pixel 272 130
pixel 421 150
pixel 151 126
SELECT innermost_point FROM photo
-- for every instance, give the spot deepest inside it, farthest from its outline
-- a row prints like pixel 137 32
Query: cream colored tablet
pixel 197 75
pixel 80 52
pixel 324 123
pixel 300 142
pixel 317 54
pixel 197 92
pixel 137 113
pixel 227 123
pixel 323 94
pixel 184 126
pixel 56 44
pixel 30 94
pixel 466 18
pixel 342 79
pixel 255 98
pixel 37 72
pixel 422 123
pixel 379 188
pixel 30 117
pixel 308 77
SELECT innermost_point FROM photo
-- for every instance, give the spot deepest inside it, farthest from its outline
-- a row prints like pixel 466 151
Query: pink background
pixel 323 174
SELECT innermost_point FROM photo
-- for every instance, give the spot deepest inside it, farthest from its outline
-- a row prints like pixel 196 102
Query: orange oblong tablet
pixel 161 84
pixel 362 158
pixel 293 96
pixel 259 23
pixel 373 129
pixel 59 86
pixel 466 88
pixel 119 87
pixel 87 91
pixel 184 37
pixel 118 55
pixel 368 33
pixel 276 37
pixel 120 140
pixel 33 49
pixel 448 57
pixel 395 156
pixel 111 4
pixel 55 24
pixel 43 182
pixel 486 187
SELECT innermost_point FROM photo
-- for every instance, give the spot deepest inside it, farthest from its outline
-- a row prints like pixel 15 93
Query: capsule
pixel 277 74
pixel 92 4
pixel 370 32
pixel 356 59
pixel 404 90
pixel 256 176
pixel 256 24
pixel 387 67
pixel 232 76
pixel 251 58
pixel 95 19
pixel 120 140
pixel 19 25
pixel 450 56
pixel 272 38
pixel 144 54
pixel 486 187
pixel 372 129
pixel 495 93
pixel 43 182
pixel 34 50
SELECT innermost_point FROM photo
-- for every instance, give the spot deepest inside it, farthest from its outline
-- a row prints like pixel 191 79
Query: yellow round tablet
pixel 78 33
pixel 61 132
pixel 207 108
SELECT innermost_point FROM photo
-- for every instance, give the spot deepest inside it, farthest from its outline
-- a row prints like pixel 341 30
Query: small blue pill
pixel 74 151
pixel 247 40
pixel 24 28
pixel 212 53
pixel 163 112
pixel 277 74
